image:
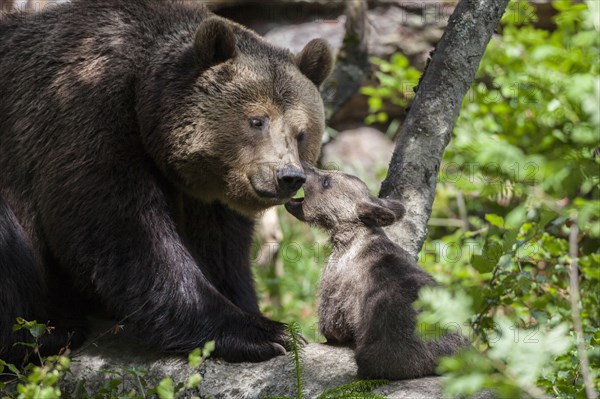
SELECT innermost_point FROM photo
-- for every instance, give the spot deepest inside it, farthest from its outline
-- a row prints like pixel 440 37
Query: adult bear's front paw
pixel 252 338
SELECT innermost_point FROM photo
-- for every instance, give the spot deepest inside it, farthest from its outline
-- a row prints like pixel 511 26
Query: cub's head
pixel 228 117
pixel 333 200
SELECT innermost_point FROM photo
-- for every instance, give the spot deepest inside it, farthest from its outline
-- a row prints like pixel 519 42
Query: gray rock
pixel 394 27
pixel 364 152
pixel 296 36
pixel 325 367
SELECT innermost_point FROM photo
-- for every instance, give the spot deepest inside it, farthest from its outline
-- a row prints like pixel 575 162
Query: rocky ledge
pixel 324 367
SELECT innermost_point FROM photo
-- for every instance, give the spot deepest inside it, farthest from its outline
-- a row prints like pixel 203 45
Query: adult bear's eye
pixel 258 122
pixel 326 183
pixel 300 137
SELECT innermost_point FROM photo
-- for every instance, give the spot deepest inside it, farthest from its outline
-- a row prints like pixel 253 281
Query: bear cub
pixel 370 283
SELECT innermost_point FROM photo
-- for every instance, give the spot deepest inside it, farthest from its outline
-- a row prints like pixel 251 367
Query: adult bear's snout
pixel 290 178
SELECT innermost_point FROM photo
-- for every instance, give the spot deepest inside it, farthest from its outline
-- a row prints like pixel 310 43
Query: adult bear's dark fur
pixel 138 139
pixel 369 284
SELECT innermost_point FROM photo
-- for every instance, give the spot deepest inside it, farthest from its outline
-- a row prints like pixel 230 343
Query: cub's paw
pixel 252 338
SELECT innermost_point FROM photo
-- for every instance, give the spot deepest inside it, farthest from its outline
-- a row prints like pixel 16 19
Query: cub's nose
pixel 290 178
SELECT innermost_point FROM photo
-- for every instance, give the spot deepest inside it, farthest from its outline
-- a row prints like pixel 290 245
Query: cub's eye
pixel 300 137
pixel 326 183
pixel 258 122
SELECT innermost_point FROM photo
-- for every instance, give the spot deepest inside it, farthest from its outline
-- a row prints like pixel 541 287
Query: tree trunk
pixel 352 66
pixel 412 176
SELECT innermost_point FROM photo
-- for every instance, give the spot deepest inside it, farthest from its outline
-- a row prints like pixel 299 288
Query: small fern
pixel 355 390
pixel 296 349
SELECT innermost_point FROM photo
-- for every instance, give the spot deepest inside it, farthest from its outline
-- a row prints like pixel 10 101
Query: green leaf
pixel 468 384
pixel 382 117
pixel 527 351
pixel 523 282
pixel 516 217
pixel 482 263
pixel 165 389
pixel 495 220
pixel 179 387
pixel 37 330
pixel 594 12
pixel 31 345
pixel 12 368
pixel 546 216
pixel 510 238
pixel 195 358
pixel 209 347
pixel 442 310
pixel 375 104
pixel 194 381
pixel 48 393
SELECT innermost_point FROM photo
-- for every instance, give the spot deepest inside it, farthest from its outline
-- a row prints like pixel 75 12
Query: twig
pixel 37 352
pixel 574 296
pixel 462 209
pixel 140 385
pixel 446 222
pixel 92 341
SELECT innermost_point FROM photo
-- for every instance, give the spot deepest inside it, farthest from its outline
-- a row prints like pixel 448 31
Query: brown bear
pixel 369 284
pixel 138 141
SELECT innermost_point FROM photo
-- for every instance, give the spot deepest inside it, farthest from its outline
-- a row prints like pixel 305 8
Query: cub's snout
pixel 334 199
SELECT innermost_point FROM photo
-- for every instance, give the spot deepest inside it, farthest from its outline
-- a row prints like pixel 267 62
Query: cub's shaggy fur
pixel 370 283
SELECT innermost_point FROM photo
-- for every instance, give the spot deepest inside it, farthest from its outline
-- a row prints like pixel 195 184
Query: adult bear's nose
pixel 290 178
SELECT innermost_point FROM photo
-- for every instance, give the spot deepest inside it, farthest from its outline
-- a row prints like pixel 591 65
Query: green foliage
pixel 44 381
pixel 287 288
pixel 523 167
pixel 132 382
pixel 37 382
pixel 396 80
pixel 33 382
pixel 35 329
pixel 510 361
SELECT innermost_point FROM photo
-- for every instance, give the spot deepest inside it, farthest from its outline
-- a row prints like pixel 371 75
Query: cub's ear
pixel 315 61
pixel 215 42
pixel 380 212
pixel 395 206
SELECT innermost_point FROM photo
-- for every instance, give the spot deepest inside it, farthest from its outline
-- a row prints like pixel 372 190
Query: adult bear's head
pixel 228 117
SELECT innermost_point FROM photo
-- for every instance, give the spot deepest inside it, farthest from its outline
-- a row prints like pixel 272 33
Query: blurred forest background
pixel 517 208
pixel 518 199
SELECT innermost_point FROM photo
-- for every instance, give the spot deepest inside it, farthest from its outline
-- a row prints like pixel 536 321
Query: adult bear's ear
pixel 315 61
pixel 215 42
pixel 380 212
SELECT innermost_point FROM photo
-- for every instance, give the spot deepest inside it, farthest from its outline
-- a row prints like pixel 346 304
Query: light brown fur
pixel 220 157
